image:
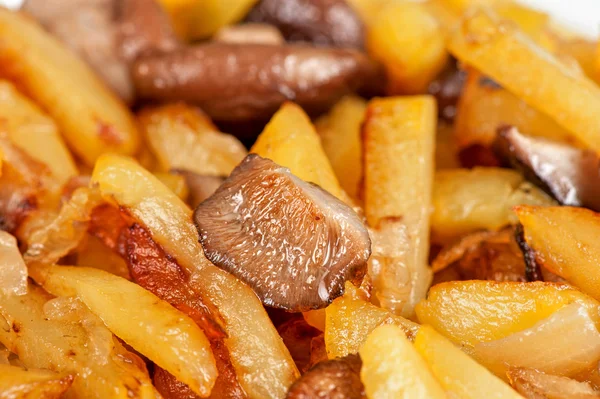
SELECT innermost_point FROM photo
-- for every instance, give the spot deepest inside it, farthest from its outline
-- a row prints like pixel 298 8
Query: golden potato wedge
pixel 34 132
pixel 340 136
pixel 392 368
pixel 459 374
pixel 351 318
pixel 532 383
pixel 93 253
pixel 271 370
pixel 470 312
pixel 194 19
pixel 183 137
pixel 399 139
pixel 17 383
pixel 148 324
pixel 290 140
pixel 61 335
pixel 175 182
pixel 91 118
pixel 530 72
pixel 584 52
pixel 484 106
pixel 564 241
pixel 409 42
pixel 467 200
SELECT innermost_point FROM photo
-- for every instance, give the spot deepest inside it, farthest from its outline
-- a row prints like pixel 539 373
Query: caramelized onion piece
pixel 322 22
pixel 292 242
pixel 13 272
pixel 534 384
pixel 297 335
pixel 569 174
pixel 332 379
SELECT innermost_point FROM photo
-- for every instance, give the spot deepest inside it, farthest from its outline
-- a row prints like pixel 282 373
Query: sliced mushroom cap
pixel 249 33
pixel 234 82
pixel 322 22
pixel 292 242
pixel 447 88
pixel 569 174
pixel 332 379
pixel 200 186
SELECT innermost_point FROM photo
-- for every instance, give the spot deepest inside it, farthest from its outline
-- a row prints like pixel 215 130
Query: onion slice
pixel 533 384
pixel 13 272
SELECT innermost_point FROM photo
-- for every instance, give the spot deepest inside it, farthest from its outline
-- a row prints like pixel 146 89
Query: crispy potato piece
pixel 17 383
pixel 351 318
pixel 92 119
pixel 148 324
pixel 584 52
pixel 456 371
pixel 494 310
pixel 35 133
pixel 392 368
pixel 399 139
pixel 290 140
pixel 531 73
pixel 534 384
pixel 62 335
pixel 485 106
pixel 183 137
pixel 465 201
pixel 175 182
pixel 409 42
pixel 199 19
pixel 93 253
pixel 270 371
pixel 13 271
pixel 340 136
pixel 564 240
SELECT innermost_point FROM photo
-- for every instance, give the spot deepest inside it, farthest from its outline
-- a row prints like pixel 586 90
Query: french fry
pixel 291 140
pixel 340 136
pixel 399 139
pixel 271 369
pixel 91 118
pixel 409 42
pixel 61 335
pixel 467 200
pixel 148 324
pixel 182 137
pixel 17 383
pixel 530 72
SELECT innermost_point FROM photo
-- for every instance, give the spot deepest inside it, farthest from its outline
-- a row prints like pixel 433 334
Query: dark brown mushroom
pixel 569 174
pixel 332 379
pixel 234 82
pixel 322 22
pixel 200 186
pixel 249 33
pixel 447 88
pixel 292 242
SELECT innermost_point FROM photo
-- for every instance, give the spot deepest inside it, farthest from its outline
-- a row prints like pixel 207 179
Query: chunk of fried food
pixel 148 324
pixel 271 370
pixel 17 383
pixel 392 367
pixel 467 200
pixel 399 139
pixel 494 310
pixel 530 72
pixel 409 42
pixel 61 335
pixel 584 52
pixel 13 271
pixel 183 137
pixel 533 384
pixel 458 373
pixel 92 119
pixel 351 318
pixel 564 241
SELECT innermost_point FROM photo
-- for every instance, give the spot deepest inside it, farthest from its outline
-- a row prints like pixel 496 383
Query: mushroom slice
pixel 569 174
pixel 292 242
pixel 338 378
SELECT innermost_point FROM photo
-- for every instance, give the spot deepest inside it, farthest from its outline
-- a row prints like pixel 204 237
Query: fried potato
pixel 392 368
pixel 183 137
pixel 494 310
pixel 17 383
pixel 270 370
pixel 504 53
pixel 62 335
pixel 457 373
pixel 341 139
pixel 465 201
pixel 93 253
pixel 291 140
pixel 409 42
pixel 351 318
pixel 149 325
pixel 584 52
pixel 13 271
pixel 34 132
pixel 91 118
pixel 175 182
